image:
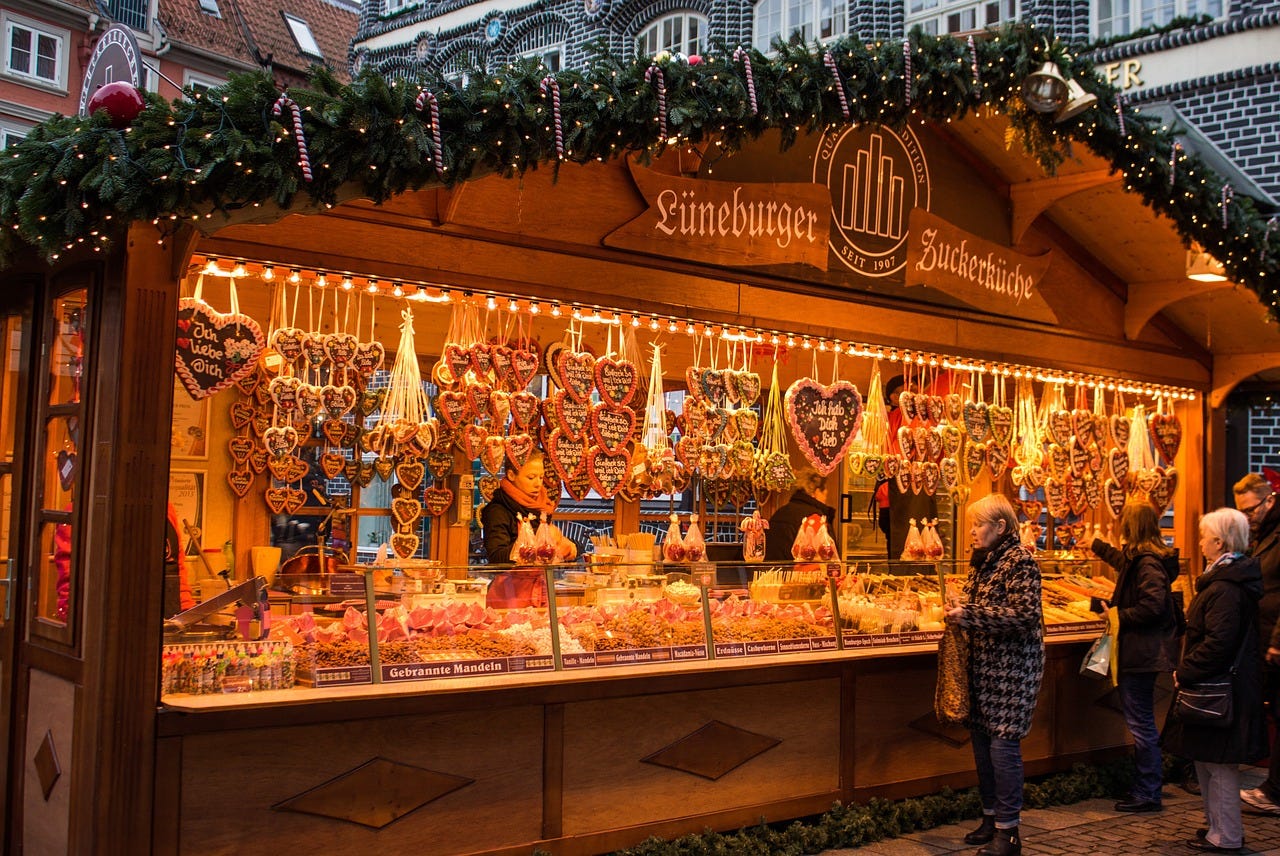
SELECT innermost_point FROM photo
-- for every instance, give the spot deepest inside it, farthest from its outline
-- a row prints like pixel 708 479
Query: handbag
pixel 1210 704
pixel 951 697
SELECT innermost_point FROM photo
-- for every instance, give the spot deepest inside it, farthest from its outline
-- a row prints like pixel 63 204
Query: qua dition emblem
pixel 875 176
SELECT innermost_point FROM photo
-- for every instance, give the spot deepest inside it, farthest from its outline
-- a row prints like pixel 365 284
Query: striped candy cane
pixel 973 54
pixel 830 62
pixel 906 71
pixel 745 58
pixel 549 84
pixel 1120 113
pixel 1272 225
pixel 426 98
pixel 649 74
pixel 1173 162
pixel 304 159
pixel 1228 193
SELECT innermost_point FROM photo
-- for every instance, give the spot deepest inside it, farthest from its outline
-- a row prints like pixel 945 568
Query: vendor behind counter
pixel 784 525
pixel 521 493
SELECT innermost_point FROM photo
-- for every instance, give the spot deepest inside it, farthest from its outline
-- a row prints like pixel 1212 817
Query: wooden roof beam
pixel 1148 299
pixel 1230 369
pixel 1032 198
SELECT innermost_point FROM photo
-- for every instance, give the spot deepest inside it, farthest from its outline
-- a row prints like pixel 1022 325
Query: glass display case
pixel 417 621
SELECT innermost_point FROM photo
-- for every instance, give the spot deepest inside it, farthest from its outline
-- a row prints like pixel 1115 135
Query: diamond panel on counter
pixel 375 794
pixel 713 750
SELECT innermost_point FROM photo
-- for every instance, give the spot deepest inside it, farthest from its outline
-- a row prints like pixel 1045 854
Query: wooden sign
pixel 974 271
pixel 728 222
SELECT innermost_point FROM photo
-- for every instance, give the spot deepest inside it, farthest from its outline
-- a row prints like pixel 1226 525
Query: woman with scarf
pixel 1221 631
pixel 1149 628
pixel 1003 619
pixel 521 493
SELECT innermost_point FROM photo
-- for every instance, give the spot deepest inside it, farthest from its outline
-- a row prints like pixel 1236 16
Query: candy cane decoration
pixel 1272 225
pixel 649 74
pixel 973 53
pixel 304 159
pixel 437 156
pixel 830 62
pixel 1120 113
pixel 1228 193
pixel 906 70
pixel 1173 162
pixel 549 83
pixel 745 57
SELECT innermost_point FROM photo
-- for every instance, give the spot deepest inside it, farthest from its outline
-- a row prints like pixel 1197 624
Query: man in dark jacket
pixel 1255 497
pixel 810 498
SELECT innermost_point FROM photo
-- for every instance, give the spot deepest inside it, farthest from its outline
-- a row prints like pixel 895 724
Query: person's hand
pixel 955 613
pixel 1175 680
pixel 1273 656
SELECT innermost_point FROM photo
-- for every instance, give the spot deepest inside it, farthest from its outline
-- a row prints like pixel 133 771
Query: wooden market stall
pixel 932 245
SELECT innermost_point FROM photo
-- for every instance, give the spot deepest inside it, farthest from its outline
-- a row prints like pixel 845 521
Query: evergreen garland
pixel 75 181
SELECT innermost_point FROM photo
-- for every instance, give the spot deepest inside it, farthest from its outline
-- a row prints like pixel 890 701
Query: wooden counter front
pixel 583 763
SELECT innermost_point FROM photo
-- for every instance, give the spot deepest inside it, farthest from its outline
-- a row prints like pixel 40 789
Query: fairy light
pixel 268 273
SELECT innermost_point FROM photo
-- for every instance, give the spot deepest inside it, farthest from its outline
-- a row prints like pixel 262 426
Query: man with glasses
pixel 1256 497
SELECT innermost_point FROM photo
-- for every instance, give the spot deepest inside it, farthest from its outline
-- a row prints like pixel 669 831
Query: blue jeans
pixel 999 764
pixel 1137 698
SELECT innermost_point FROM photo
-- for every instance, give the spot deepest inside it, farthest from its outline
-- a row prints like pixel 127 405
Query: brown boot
pixel 983 833
pixel 1007 842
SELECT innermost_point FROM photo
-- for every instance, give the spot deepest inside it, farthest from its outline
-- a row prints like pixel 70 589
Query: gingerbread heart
pixel 611 428
pixel 932 444
pixel 1082 426
pixel 1055 497
pixel 1060 427
pixel 471 440
pixel 493 454
pixel 406 511
pixel 500 364
pixel 499 407
pixel 608 470
pixel 1165 492
pixel 295 499
pixel 931 475
pixel 997 458
pixel 1113 496
pixel 337 401
pixel 576 370
pixel 249 383
pixel 568 414
pixel 240 480
pixel 404 544
pixel 258 460
pixel 713 385
pixel 975 458
pixel 478 398
pixel 481 354
pixel 518 448
pixel 313 350
pixel 436 500
pixel 949 473
pixel 457 361
pixel 524 366
pixel 1076 498
pixel 1092 490
pixel 284 392
pixel 440 461
pixel 616 380
pixel 241 414
pixel 1166 434
pixel 856 462
pixel 951 439
pixel 1001 421
pixel 280 441
pixel 423 440
pixel 340 348
pixel 384 467
pixel 240 447
pixel 567 454
pixel 489 484
pixel 872 465
pixel 214 349
pixel 907 403
pixel 1030 509
pixel 748 388
pixel 975 421
pixel 410 473
pixel 891 465
pixel 1120 431
pixel 371 401
pixel 824 419
pixel 287 468
pixel 454 408
pixel 368 359
pixel 1058 461
pixel 331 464
pixel 747 423
pixel 1079 458
pixel 277 498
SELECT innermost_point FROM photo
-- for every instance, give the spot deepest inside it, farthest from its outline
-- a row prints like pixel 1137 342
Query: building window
pixel 458 68
pixel 807 19
pixel 131 13
pixel 938 17
pixel 679 32
pixel 302 35
pixel 1121 17
pixel 199 84
pixel 34 53
pixel 9 136
pixel 394 6
pixel 210 7
pixel 545 43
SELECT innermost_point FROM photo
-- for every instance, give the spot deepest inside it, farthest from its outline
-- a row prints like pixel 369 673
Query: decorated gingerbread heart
pixel 1001 421
pixel 241 414
pixel 949 473
pixel 284 392
pixel 1119 431
pixel 405 511
pixel 478 399
pixel 214 349
pixel 524 366
pixel 404 544
pixel 1082 426
pixel 1059 427
pixel 576 370
pixel 607 470
pixel 1166 434
pixel 617 380
pixel 457 361
pixel 748 388
pixel 824 420
pixel 249 383
pixel 240 447
pixel 384 467
pixel 611 428
pixel 997 458
pixel 570 415
pixel 493 454
pixel 524 410
pixel 280 440
pixel 341 349
pixel 489 486
pixel 332 464
pixel 567 454
pixel 471 440
pixel 287 468
pixel 500 363
pixel 436 500
pixel 1055 497
pixel 518 448
pixel 747 423
pixel 1092 490
pixel 410 473
pixel 931 475
pixel 1030 509
pixel 1079 458
pixel 975 421
pixel 481 354
pixel 454 408
pixel 241 480
pixel 368 359
pixel 713 385
pixel 337 401
pixel 975 458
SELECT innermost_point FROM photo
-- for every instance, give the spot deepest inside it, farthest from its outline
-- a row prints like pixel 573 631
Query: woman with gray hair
pixel 1004 620
pixel 1221 631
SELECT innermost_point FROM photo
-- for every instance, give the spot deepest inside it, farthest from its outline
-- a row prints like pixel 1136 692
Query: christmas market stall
pixel 471 418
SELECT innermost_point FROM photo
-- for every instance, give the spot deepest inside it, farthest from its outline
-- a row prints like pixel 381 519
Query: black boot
pixel 1007 842
pixel 983 833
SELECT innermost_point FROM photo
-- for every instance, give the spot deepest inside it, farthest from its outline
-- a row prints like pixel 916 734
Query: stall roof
pixel 74 183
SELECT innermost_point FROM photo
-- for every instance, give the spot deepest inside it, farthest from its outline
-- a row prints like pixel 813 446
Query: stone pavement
pixel 1094 827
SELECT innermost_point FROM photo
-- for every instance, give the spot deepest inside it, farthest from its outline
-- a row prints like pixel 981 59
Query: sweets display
pixel 225 667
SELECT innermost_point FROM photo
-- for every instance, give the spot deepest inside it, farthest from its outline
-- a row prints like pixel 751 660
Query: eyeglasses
pixel 1251 510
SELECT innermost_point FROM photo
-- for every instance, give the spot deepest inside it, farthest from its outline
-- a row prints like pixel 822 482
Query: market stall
pixel 677 336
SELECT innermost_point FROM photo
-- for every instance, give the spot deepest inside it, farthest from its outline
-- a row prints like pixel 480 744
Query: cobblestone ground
pixel 1094 827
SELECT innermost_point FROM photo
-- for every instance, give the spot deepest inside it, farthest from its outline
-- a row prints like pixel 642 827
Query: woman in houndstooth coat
pixel 1003 618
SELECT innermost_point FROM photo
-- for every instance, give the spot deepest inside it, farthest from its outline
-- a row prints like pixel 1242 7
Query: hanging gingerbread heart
pixel 1166 491
pixel 824 420
pixel 1076 498
pixel 240 447
pixel 907 403
pixel 404 544
pixel 569 414
pixel 277 498
pixel 478 395
pixel 440 461
pixel 607 470
pixel 693 382
pixel 493 454
pixel 499 408
pixel 313 354
pixel 258 460
pixel 891 465
pixel 1119 431
pixel 732 391
pixel 249 383
pixel 481 354
pixel 241 414
pixel 714 420
pixel 873 465
pixel 567 454
pixel 1058 461
pixel 214 349
pixel 280 441
pixel 1082 426
pixel 997 458
pixel 975 421
pixel 713 385
pixel 1166 434
pixel 1030 509
pixel 1060 427
pixel 403 430
pixel 576 370
pixel 975 458
pixel 371 401
pixel 919 443
pixel 489 486
pixel 1079 458
pixel 294 500
pixel 240 480
pixel 287 468
pixel 454 408
pixel 337 401
pixel 747 422
pixel 931 473
pixel 1055 497
pixel 1001 421
pixel 954 407
pixel 688 451
pixel 384 467
pixel 422 441
pixel 951 439
pixel 617 380
pixel 949 473
pixel 341 349
pixel 331 464
pixel 1092 490
pixel 410 474
pixel 519 447
pixel 610 428
pixel 524 366
pixel 932 445
pixel 729 433
pixel 748 388
pixel 471 440
pixel 284 392
pixel 500 364
pixel 368 359
pixel 524 410
pixel 457 361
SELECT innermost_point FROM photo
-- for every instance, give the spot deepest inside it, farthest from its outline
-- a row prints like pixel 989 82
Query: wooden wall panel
pixel 50 716
pixel 230 781
pixel 607 785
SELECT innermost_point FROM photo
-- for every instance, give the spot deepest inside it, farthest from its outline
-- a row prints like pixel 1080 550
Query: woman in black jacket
pixel 784 525
pixel 1145 568
pixel 1221 626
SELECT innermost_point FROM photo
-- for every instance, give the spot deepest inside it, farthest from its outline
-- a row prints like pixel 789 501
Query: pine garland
pixel 75 181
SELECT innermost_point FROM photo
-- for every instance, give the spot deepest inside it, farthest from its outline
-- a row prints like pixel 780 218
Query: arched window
pixel 679 32
pixel 811 19
pixel 545 43
pixel 459 67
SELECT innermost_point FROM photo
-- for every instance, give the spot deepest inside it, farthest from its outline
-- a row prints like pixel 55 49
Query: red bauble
pixel 122 101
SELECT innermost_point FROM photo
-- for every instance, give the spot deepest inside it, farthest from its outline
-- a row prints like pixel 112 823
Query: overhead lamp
pixel 1203 267
pixel 1045 89
pixel 1077 102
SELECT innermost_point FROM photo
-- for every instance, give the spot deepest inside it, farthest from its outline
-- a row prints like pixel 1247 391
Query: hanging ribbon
pixel 649 74
pixel 973 53
pixel 549 84
pixel 745 57
pixel 830 62
pixel 1173 162
pixel 1120 113
pixel 906 71
pixel 304 159
pixel 1228 193
pixel 426 98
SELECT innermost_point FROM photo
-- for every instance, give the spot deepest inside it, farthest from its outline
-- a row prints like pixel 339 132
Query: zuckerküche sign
pixel 866 212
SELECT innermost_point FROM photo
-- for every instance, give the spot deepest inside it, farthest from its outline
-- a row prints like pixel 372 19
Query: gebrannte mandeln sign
pixel 977 272
pixel 728 222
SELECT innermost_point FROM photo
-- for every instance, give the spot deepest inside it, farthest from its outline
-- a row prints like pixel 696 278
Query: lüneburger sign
pixel 977 272
pixel 728 222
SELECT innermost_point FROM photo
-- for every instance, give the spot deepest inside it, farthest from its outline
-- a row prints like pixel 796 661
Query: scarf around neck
pixel 538 502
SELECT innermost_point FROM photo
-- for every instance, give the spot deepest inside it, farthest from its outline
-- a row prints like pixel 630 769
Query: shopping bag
pixel 1113 627
pixel 951 697
pixel 1097 661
